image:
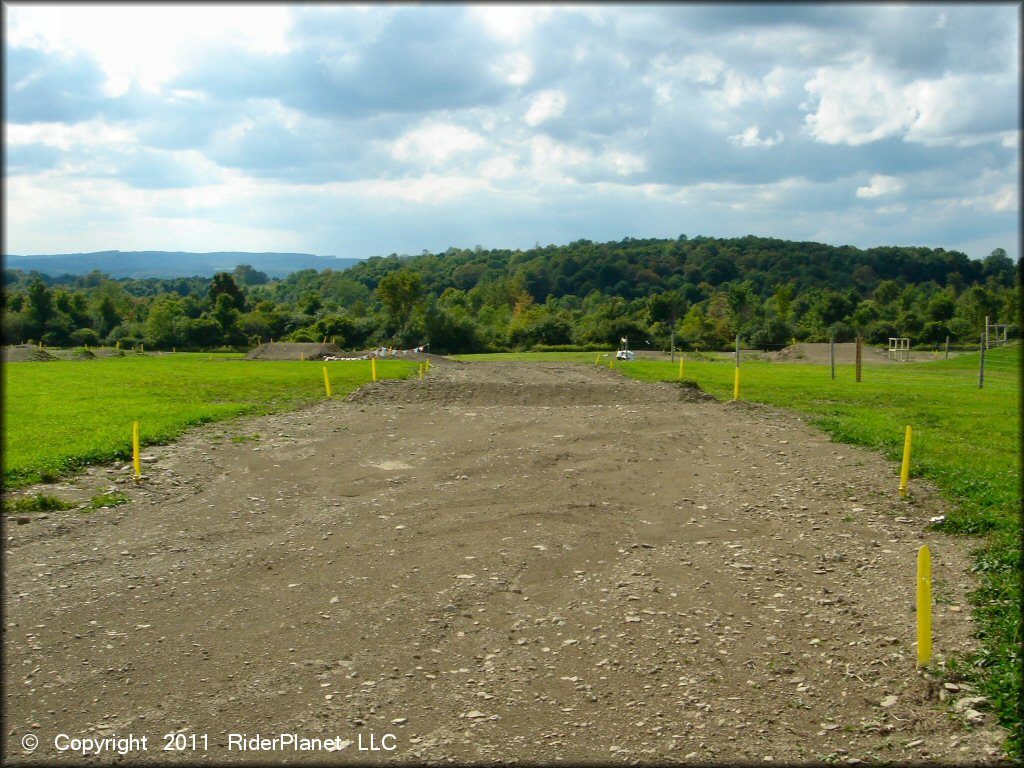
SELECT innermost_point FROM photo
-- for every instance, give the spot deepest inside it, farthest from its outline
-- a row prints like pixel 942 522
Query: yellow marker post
pixel 327 383
pixel 302 356
pixel 736 386
pixel 135 451
pixel 611 364
pixel 142 348
pixel 680 367
pixel 905 471
pixel 118 345
pixel 924 606
pixel 597 359
pixel 373 368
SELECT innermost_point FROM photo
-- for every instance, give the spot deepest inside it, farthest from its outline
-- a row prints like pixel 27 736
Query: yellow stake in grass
pixel 135 451
pixel 924 606
pixel 327 383
pixel 611 364
pixel 736 386
pixel 680 367
pixel 373 368
pixel 905 471
pixel 597 359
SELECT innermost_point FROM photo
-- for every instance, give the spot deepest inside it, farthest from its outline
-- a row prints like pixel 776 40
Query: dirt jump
pixel 503 562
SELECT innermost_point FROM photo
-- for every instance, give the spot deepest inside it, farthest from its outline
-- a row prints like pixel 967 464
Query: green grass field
pixel 59 416
pixel 966 440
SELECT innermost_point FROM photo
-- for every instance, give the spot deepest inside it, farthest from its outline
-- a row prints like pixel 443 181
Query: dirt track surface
pixel 504 562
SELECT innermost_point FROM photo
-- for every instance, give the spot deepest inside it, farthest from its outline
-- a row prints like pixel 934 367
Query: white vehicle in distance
pixel 624 352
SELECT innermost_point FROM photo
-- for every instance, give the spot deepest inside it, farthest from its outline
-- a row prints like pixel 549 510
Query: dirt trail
pixel 533 562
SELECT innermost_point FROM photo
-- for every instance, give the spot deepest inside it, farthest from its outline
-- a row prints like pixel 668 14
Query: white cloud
pixel 514 68
pixel 509 23
pixel 701 68
pixel 145 42
pixel 864 103
pixel 558 161
pixel 1002 200
pixel 881 185
pixel 68 136
pixel 428 189
pixel 546 105
pixel 435 143
pixel 856 105
pixel 750 138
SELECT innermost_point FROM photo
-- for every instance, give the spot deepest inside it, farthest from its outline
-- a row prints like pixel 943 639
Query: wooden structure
pixel 899 348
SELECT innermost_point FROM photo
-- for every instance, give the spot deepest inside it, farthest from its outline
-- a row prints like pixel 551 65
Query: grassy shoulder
pixel 60 416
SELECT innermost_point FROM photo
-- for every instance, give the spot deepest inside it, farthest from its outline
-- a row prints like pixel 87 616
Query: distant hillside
pixel 168 264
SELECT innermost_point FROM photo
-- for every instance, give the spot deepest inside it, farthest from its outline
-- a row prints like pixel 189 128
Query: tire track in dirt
pixel 530 562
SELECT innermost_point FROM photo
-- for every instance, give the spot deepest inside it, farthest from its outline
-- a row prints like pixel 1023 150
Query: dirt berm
pixel 503 562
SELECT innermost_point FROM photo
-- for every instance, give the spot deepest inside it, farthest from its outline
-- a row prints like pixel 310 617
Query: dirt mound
pixel 26 353
pixel 537 385
pixel 285 350
pixel 81 353
pixel 818 354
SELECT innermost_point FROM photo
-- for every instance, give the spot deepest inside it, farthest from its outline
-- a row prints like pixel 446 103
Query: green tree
pixel 226 316
pixel 667 308
pixel 40 307
pixel 399 291
pixel 246 274
pixel 224 285
pixel 163 326
pixel 783 296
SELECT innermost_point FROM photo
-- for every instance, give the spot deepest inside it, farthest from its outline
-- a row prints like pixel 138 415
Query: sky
pixel 355 131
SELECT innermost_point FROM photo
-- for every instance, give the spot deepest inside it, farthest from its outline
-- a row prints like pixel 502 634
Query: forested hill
pixel 633 268
pixel 168 264
pixel 701 292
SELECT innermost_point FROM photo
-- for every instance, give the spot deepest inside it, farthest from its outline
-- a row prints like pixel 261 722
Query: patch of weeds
pixel 848 519
pixel 253 438
pixel 109 499
pixel 939 594
pixel 38 503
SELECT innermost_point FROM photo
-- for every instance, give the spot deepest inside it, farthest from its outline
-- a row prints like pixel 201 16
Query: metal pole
pixel 832 355
pixel 672 339
pixel 981 365
pixel 946 357
pixel 986 332
pixel 859 344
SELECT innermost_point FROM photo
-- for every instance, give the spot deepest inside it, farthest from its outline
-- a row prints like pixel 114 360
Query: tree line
pixel 700 291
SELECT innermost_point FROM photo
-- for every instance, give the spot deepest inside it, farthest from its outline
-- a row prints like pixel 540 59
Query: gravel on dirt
pixel 530 562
